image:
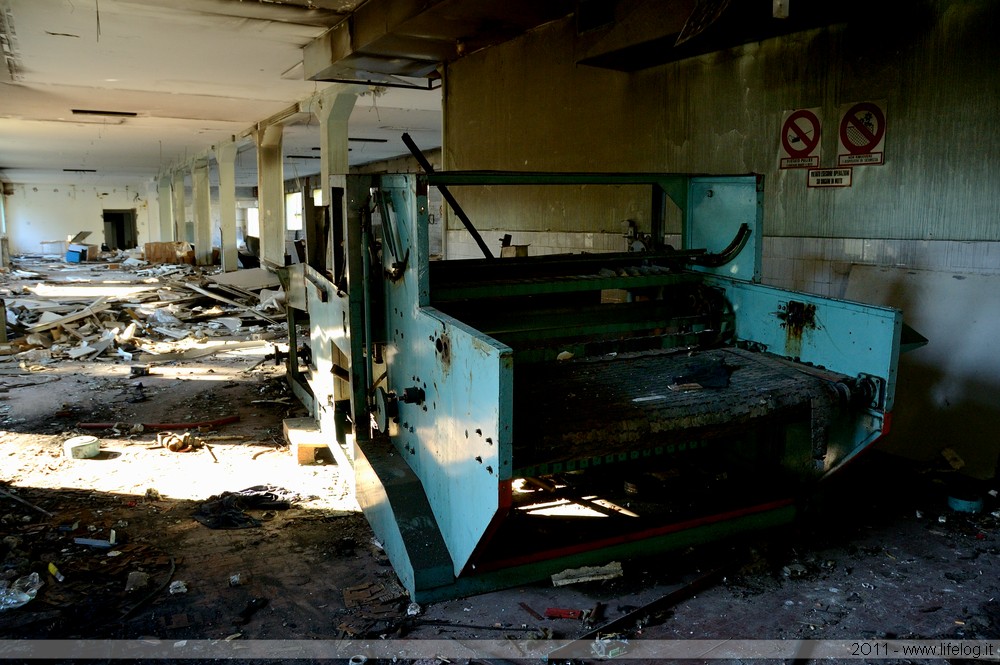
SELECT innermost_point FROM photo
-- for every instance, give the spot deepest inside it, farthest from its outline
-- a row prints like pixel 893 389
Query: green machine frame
pixel 462 395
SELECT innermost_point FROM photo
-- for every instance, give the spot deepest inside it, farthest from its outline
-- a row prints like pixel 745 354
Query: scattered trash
pixel 98 542
pixel 794 571
pixel 562 613
pixel 226 510
pixel 179 443
pixel 252 608
pixel 271 301
pixel 23 590
pixel 55 573
pixel 176 587
pixel 965 505
pixel 137 580
pixel 942 519
pixel 529 610
pixel 588 574
pixel 639 616
pixel 611 645
pixel 413 609
pixel 166 426
pixel 564 355
pixel 237 579
pixel 23 502
pixel 953 458
pixel 152 494
pixel 82 447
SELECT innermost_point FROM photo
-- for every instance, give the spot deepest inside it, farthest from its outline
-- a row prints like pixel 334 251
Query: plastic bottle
pixel 20 592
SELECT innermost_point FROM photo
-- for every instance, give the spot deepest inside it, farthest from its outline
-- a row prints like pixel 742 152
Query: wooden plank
pixel 97 306
pixel 210 294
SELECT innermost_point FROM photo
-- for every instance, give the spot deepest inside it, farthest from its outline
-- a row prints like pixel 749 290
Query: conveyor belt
pixel 608 407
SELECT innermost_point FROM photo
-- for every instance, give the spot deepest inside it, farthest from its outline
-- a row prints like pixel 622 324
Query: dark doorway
pixel 120 231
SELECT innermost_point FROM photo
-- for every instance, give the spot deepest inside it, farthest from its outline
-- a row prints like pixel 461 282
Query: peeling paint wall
pixel 526 106
pixel 41 213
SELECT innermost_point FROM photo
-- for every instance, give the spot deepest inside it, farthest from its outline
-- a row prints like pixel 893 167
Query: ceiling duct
pixel 411 38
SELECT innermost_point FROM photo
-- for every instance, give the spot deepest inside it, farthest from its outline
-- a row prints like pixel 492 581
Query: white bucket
pixel 82 447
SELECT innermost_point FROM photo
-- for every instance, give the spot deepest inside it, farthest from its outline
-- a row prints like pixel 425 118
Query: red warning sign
pixel 800 134
pixel 862 135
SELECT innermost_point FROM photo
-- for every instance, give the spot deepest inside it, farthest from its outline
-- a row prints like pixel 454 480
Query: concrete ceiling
pixel 193 72
pixel 155 83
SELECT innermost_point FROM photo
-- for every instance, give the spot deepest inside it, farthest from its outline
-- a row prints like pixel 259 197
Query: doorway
pixel 120 230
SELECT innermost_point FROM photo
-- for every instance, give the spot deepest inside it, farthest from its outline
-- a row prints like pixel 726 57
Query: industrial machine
pixel 504 419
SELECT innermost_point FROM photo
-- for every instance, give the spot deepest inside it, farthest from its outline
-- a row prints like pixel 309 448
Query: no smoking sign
pixel 800 135
pixel 862 134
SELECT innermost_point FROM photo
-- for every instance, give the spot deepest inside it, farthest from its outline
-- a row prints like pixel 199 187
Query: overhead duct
pixel 411 38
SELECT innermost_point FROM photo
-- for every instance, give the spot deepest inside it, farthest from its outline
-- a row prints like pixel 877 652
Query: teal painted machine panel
pixel 845 337
pixel 716 210
pixel 454 386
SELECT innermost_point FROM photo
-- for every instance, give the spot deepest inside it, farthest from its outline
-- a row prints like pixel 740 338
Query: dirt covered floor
pixel 877 555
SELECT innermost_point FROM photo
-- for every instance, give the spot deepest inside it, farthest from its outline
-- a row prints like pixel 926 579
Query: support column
pixel 201 194
pixel 334 109
pixel 179 220
pixel 164 198
pixel 225 157
pixel 271 194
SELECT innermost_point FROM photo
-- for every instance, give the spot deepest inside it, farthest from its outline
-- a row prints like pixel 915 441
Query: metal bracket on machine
pixel 729 253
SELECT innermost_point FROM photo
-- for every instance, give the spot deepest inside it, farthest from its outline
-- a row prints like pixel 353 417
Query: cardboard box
pixel 88 252
pixel 57 247
pixel 169 252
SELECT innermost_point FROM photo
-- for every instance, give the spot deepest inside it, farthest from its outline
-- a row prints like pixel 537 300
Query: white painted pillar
pixel 271 194
pixel 201 194
pixel 164 197
pixel 334 109
pixel 163 230
pixel 180 214
pixel 225 157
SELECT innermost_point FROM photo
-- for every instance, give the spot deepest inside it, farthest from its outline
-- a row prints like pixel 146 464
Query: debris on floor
pixel 153 315
pixel 177 387
pixel 588 574
pixel 228 510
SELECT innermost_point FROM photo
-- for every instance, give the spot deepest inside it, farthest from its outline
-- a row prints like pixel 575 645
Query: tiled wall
pixel 821 266
pixel 814 265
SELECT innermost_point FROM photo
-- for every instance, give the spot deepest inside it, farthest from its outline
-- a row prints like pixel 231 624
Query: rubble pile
pixel 132 311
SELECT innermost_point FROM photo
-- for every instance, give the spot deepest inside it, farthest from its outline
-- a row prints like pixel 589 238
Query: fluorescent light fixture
pixel 113 114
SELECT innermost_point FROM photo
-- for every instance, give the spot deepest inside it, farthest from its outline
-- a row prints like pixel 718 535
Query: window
pixel 317 195
pixel 293 211
pixel 253 222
